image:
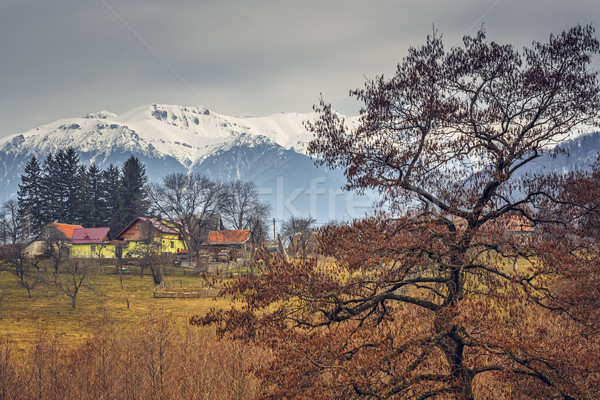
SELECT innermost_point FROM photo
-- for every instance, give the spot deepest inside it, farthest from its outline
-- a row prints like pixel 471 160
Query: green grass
pixel 49 310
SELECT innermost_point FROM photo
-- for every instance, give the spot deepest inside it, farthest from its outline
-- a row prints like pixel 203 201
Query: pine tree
pixel 70 185
pixel 96 202
pixel 110 187
pixel 133 191
pixel 50 192
pixel 84 209
pixel 30 198
pixel 60 186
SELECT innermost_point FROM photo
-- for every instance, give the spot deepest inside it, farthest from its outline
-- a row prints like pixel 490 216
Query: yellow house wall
pixel 136 248
pixel 171 243
pixel 85 251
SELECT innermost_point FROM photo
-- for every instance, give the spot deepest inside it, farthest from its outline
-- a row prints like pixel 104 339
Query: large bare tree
pixel 427 302
pixel 190 202
pixel 242 209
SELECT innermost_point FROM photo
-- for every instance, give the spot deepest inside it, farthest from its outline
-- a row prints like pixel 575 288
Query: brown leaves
pixel 158 360
pixel 484 281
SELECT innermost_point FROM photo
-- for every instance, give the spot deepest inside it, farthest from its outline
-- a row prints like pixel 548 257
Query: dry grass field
pixel 104 301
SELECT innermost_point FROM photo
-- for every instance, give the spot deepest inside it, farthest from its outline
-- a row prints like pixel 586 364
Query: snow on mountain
pixel 100 115
pixel 269 150
pixel 185 133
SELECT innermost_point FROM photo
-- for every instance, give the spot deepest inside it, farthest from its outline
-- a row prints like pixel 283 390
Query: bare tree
pixel 298 230
pixel 191 202
pixel 76 274
pixel 242 209
pixel 151 252
pixel 28 271
pixel 11 226
pixel 56 247
pixel 425 304
pixel 13 233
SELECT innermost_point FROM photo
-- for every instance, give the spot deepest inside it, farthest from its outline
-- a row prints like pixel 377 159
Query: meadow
pixel 105 299
pixel 120 342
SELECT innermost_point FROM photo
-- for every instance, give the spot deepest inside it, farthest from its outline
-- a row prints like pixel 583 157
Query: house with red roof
pixel 223 241
pixel 136 237
pixel 66 229
pixel 56 235
pixel 91 243
pixel 233 238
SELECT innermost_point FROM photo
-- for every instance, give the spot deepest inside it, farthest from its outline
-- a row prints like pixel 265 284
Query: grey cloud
pixel 69 57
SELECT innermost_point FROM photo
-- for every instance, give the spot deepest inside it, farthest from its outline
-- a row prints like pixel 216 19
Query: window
pixel 172 244
pixel 93 248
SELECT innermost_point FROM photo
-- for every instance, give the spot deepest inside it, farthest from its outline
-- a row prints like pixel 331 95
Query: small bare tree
pixel 150 253
pixel 27 271
pixel 76 274
pixel 56 247
pixel 299 231
pixel 13 235
pixel 11 228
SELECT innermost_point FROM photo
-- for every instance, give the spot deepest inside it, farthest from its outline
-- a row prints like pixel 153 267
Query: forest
pixel 64 190
pixel 476 282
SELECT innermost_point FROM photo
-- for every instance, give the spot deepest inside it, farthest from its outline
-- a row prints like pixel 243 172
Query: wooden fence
pixel 162 292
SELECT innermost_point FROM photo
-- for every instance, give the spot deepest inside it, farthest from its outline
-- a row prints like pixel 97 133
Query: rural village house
pixel 54 234
pixel 234 238
pixel 142 232
pixel 222 241
pixel 92 243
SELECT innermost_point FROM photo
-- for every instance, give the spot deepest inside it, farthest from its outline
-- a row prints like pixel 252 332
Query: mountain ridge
pixel 269 151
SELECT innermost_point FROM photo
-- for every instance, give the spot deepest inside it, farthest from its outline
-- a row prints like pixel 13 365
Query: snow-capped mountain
pixel 188 134
pixel 269 151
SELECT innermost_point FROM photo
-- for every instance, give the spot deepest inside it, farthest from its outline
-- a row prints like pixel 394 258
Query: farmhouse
pixel 92 243
pixel 144 232
pixel 138 238
pixel 220 243
pixel 234 238
pixel 55 234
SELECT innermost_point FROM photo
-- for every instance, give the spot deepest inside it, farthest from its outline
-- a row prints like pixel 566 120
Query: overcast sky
pixel 66 58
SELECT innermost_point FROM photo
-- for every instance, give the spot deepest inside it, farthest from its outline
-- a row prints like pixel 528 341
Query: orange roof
pixel 228 237
pixel 66 229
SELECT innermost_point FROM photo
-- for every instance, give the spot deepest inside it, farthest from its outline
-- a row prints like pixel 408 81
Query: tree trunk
pixel 282 249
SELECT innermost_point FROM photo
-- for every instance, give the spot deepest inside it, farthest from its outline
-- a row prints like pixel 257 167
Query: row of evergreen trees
pixel 62 189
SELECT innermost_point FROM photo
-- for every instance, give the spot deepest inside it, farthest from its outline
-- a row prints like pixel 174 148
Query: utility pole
pixel 274 234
